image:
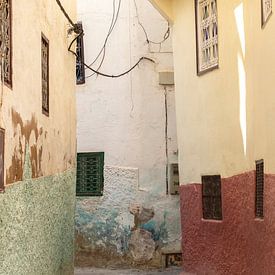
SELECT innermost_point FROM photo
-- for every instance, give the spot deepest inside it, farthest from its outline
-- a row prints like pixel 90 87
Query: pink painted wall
pixel 239 244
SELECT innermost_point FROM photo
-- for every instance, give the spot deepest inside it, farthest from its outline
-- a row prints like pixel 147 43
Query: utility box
pixel 174 179
pixel 166 78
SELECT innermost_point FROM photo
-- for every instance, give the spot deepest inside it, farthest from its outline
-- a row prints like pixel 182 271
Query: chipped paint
pixel 23 131
pixel 105 226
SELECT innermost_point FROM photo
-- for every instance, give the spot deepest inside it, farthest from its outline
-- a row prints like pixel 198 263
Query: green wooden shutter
pixel 90 174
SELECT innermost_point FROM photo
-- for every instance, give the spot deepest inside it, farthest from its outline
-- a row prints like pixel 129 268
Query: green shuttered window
pixel 90 174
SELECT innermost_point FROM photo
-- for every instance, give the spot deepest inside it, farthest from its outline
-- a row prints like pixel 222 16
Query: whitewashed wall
pixel 125 118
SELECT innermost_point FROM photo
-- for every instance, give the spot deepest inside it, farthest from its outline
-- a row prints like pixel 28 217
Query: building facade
pixel 224 77
pixel 38 144
pixel 131 218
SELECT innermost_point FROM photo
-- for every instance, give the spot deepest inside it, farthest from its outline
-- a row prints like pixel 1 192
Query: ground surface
pixel 96 271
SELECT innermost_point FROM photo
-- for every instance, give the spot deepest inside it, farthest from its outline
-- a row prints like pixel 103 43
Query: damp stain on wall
pixel 23 131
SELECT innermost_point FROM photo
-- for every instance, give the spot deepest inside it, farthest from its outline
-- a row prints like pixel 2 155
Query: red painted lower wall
pixel 239 244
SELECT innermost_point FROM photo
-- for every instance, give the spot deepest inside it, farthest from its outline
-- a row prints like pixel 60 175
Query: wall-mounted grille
pixel 90 177
pixel 80 68
pixel 45 74
pixel 174 179
pixel 6 39
pixel 211 197
pixel 259 200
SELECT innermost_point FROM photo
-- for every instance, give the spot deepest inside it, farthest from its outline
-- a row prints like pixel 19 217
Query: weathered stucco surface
pixel 105 228
pixel 37 226
pixel 125 118
pixel 239 244
pixel 51 139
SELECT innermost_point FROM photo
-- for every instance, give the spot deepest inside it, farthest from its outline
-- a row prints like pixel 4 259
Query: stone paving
pixel 97 271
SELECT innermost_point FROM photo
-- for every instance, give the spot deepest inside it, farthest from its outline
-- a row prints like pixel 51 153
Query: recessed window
pixel 207 35
pixel 211 197
pixel 6 40
pixel 259 200
pixel 45 74
pixel 90 177
pixel 80 69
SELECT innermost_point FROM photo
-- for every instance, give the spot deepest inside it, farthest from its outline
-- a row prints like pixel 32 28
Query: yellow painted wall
pixel 165 7
pixel 221 111
pixel 52 140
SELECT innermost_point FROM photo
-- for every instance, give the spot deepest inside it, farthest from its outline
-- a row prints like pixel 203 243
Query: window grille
pixel 90 178
pixel 80 68
pixel 259 201
pixel 2 144
pixel 45 74
pixel 6 41
pixel 211 197
pixel 207 35
pixel 266 11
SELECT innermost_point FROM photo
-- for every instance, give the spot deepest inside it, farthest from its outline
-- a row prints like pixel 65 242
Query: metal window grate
pixel 90 178
pixel 45 74
pixel 80 69
pixel 6 40
pixel 259 200
pixel 211 197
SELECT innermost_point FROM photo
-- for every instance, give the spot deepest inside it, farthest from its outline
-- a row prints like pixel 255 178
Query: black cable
pixel 111 28
pixel 103 74
pixel 65 13
pixel 165 36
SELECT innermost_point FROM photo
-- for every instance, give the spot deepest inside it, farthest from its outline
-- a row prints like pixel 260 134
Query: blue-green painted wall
pixel 37 226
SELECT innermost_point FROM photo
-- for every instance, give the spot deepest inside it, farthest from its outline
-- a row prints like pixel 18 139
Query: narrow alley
pixel 137 137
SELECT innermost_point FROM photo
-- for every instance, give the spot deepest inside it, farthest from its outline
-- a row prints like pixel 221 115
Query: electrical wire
pixel 104 74
pixel 74 26
pixel 111 28
pixel 148 40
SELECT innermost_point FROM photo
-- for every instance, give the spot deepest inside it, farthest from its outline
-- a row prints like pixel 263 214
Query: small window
pixel 90 178
pixel 45 74
pixel 259 200
pixel 2 149
pixel 211 197
pixel 207 35
pixel 6 40
pixel 80 69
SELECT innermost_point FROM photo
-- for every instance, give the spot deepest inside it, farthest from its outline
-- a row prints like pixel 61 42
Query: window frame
pixel 198 41
pixel 80 59
pixel 46 40
pixel 99 191
pixel 9 83
pixel 259 189
pixel 212 197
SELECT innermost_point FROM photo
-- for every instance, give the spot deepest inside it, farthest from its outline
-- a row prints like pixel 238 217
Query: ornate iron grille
pixel 6 40
pixel 2 147
pixel 45 74
pixel 90 178
pixel 80 69
pixel 259 201
pixel 207 35
pixel 211 197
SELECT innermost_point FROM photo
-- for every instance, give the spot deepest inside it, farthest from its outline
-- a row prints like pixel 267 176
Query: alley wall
pixel 38 196
pixel 125 119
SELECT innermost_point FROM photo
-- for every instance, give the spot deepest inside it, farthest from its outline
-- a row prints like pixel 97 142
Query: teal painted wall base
pixel 37 226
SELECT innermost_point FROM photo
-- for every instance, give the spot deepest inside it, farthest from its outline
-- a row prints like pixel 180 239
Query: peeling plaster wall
pixel 51 139
pixel 37 226
pixel 104 225
pixel 37 207
pixel 125 118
